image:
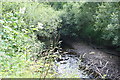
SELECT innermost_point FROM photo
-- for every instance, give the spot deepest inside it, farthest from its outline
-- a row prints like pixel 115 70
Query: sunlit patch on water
pixel 68 67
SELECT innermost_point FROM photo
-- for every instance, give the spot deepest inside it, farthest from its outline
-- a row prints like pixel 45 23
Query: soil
pixel 101 60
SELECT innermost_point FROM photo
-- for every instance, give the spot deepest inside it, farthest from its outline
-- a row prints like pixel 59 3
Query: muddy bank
pixel 102 61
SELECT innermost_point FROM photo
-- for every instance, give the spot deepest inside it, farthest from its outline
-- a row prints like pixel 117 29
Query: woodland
pixel 32 33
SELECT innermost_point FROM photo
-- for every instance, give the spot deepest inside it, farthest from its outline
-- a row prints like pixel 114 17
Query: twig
pixel 83 56
pixel 105 65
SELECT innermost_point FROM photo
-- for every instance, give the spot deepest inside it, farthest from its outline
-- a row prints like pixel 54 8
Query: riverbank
pixel 99 60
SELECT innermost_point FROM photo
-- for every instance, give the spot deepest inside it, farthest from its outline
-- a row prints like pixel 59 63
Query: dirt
pixel 103 61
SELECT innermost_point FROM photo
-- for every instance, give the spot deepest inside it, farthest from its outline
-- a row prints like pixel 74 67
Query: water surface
pixel 68 67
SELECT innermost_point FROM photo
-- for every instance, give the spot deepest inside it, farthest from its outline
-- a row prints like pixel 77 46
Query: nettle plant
pixel 18 45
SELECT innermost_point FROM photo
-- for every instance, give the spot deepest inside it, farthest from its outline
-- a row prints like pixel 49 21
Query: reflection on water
pixel 68 67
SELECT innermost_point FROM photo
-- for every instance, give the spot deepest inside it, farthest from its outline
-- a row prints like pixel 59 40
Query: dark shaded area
pixel 108 49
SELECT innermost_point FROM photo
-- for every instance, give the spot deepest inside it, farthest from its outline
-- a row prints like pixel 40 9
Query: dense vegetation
pixel 95 22
pixel 30 33
pixel 19 46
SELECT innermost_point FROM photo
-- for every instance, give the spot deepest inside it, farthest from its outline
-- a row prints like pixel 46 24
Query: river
pixel 67 65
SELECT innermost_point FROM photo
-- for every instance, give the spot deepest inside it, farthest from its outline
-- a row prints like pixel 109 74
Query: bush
pixel 95 22
pixel 19 46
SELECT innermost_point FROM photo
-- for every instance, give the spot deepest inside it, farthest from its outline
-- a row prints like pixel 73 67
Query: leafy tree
pixel 94 22
pixel 107 23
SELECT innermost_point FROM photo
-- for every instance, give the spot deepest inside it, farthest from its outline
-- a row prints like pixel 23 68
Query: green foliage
pixel 38 13
pixel 22 22
pixel 107 23
pixel 45 19
pixel 57 5
pixel 19 46
pixel 77 17
pixel 0 9
pixel 94 22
